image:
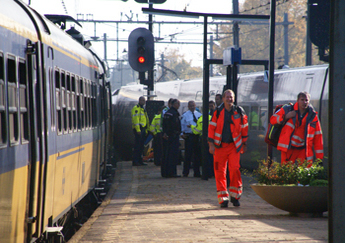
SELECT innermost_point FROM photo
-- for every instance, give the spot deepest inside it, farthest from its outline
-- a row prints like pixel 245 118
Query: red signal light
pixel 141 59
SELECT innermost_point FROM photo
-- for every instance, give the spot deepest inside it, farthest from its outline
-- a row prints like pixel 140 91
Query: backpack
pixel 273 131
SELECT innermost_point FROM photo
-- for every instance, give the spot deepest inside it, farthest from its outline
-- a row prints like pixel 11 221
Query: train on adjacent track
pixel 252 95
pixel 55 124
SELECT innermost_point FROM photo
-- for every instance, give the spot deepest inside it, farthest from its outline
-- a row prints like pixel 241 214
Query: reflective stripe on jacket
pixel 156 125
pixel 139 118
pixel 238 126
pixel 312 135
pixel 197 130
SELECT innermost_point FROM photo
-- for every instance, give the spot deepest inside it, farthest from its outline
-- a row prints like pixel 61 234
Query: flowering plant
pixel 301 173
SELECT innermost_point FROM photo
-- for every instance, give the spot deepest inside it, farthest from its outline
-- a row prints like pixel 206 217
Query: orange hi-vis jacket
pixel 291 136
pixel 238 127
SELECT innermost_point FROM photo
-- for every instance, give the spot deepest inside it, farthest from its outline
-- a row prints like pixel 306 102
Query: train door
pixel 36 193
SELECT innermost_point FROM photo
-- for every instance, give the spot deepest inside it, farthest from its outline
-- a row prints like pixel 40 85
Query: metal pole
pixel 234 81
pixel 162 65
pixel 308 55
pixel 228 78
pixel 211 55
pixel 336 138
pixel 150 72
pixel 236 44
pixel 117 41
pixel 105 46
pixel 286 39
pixel 206 88
pixel 235 26
pixel 271 69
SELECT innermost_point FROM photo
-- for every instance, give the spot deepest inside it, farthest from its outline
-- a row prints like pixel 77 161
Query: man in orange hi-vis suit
pixel 227 138
pixel 301 132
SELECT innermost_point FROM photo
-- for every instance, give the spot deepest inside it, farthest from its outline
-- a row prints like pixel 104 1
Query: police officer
pixel 156 130
pixel 197 130
pixel 140 124
pixel 171 135
pixel 190 118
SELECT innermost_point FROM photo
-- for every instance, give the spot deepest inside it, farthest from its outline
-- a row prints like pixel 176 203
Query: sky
pixel 131 10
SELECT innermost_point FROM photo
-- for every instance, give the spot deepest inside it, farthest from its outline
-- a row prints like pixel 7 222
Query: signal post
pixel 141 54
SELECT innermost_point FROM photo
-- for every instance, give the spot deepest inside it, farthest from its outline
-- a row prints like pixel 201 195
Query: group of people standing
pixel 227 139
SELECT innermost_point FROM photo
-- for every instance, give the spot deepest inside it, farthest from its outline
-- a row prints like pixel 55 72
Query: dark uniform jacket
pixel 172 123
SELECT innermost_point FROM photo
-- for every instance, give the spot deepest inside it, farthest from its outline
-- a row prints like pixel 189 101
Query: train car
pixel 252 95
pixel 54 117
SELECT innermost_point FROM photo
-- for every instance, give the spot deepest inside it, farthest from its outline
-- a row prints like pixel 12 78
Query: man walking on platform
pixel 227 136
pixel 171 135
pixel 190 118
pixel 140 123
pixel 301 132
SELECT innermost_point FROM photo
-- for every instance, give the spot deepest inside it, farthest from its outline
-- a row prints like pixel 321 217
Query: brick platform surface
pixel 144 207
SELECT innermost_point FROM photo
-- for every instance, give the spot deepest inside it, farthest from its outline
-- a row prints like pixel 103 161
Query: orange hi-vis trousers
pixel 227 154
pixel 294 155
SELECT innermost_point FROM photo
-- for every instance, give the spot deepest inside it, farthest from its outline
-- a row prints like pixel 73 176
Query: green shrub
pixel 319 182
pixel 289 173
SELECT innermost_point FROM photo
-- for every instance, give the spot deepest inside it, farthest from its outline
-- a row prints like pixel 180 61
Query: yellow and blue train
pixel 54 121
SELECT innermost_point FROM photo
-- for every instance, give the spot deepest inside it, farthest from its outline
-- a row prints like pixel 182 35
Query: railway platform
pixel 142 206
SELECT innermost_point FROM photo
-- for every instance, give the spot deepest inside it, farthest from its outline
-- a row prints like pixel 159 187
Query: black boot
pixel 224 204
pixel 235 202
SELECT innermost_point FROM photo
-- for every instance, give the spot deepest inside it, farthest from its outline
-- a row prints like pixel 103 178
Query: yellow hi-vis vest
pixel 197 130
pixel 139 118
pixel 156 124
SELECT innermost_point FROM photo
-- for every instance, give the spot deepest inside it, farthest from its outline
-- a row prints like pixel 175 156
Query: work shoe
pixel 224 204
pixel 235 202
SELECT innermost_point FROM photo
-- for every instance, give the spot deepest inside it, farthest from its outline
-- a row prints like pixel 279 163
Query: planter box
pixel 295 199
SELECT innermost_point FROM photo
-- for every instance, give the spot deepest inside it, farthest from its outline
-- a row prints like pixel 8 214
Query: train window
pixel 246 108
pixel 94 116
pixel 23 101
pixel 77 86
pixel 198 96
pixel 89 103
pixel 73 103
pixel 2 71
pixel 254 118
pixel 86 104
pixel 69 103
pixel 81 111
pixel 52 110
pixel 87 112
pixel 3 130
pixel 103 105
pixel 58 101
pixel 64 102
pixel 263 118
pixel 212 95
pixel 12 100
pixel 108 103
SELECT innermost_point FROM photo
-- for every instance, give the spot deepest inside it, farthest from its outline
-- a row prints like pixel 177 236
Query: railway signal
pixel 141 50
